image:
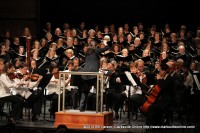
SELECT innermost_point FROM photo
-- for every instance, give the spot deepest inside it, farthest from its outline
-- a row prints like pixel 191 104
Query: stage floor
pixel 121 125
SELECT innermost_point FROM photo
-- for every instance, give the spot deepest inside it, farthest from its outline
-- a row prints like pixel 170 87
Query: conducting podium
pixel 87 120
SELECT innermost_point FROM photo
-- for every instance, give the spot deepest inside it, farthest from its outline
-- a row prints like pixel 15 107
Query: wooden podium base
pixel 88 120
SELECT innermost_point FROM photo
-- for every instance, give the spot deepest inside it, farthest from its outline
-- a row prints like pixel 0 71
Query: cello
pixel 151 98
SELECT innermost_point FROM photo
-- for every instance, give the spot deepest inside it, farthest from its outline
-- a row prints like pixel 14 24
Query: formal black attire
pixel 165 99
pixel 92 64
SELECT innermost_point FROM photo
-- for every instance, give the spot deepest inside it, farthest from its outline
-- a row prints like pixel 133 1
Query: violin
pixel 19 76
pixel 15 75
pixel 34 77
pixel 12 76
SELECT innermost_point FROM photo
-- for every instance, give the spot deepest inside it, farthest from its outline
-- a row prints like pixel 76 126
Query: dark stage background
pixel 15 15
pixel 118 12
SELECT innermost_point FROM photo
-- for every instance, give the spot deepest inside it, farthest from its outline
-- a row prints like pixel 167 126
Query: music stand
pixel 44 82
pixel 127 79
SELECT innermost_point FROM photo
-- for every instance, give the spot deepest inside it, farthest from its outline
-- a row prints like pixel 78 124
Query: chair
pixel 27 108
pixel 2 105
pixel 122 109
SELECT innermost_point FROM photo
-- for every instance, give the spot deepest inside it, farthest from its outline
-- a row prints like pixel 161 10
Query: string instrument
pixel 151 98
pixel 142 77
pixel 33 77
pixel 12 76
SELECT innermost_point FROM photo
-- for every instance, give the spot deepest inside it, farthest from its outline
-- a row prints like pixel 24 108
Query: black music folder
pixel 124 59
pixel 146 59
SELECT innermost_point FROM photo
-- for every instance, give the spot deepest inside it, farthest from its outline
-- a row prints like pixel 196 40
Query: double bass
pixel 151 98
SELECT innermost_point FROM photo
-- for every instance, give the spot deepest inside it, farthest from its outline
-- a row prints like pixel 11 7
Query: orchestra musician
pixel 113 86
pixel 141 73
pixel 135 94
pixel 91 102
pixel 5 87
pixel 71 88
pixel 52 90
pixel 27 88
pixel 18 86
pixel 176 73
pixel 2 64
pixel 165 97
pixel 137 97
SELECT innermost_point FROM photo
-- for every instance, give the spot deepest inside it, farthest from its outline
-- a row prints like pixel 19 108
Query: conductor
pixel 92 64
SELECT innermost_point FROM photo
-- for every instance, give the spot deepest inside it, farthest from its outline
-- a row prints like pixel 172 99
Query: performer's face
pixel 24 70
pixel 162 73
pixel 11 70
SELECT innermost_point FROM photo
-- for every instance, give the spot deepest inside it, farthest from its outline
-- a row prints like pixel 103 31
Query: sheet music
pixel 130 78
pixel 196 81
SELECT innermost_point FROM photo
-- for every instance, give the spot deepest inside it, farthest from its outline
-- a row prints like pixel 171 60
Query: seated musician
pixel 52 88
pixel 27 88
pixel 71 88
pixel 165 97
pixel 137 98
pixel 5 86
pixel 2 63
pixel 91 102
pixel 135 94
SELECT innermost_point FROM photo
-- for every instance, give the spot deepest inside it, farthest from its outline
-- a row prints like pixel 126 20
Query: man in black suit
pixel 92 64
pixel 165 97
